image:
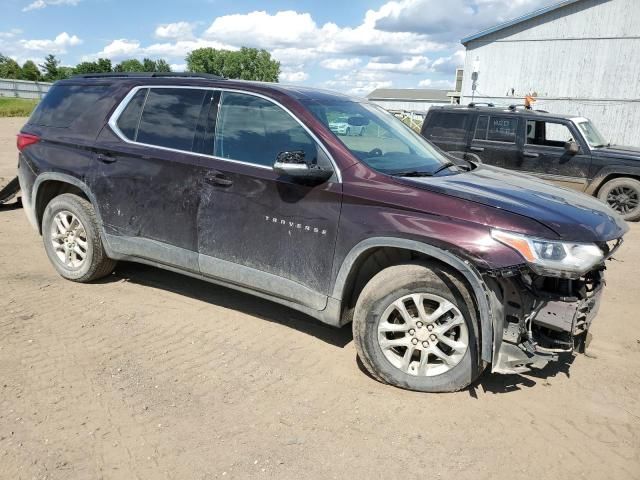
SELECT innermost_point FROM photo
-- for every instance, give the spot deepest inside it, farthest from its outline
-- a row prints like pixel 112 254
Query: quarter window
pixel 481 128
pixel 449 126
pixel 64 104
pixel 254 130
pixel 502 129
pixel 130 117
pixel 170 117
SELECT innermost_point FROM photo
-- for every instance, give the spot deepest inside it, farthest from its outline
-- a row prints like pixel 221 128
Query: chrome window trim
pixel 113 124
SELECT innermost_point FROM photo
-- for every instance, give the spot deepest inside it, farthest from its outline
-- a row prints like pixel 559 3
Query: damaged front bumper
pixel 537 318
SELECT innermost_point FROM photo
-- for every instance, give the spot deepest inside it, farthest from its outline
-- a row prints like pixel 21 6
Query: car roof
pixel 501 109
pixel 212 81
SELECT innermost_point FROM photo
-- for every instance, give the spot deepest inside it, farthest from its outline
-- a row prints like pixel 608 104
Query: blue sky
pixel 349 45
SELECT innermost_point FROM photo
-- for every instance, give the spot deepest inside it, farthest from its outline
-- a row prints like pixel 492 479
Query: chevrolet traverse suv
pixel 443 266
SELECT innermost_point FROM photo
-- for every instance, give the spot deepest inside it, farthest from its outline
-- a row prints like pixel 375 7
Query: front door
pixel 147 181
pixel 495 139
pixel 255 228
pixel 544 153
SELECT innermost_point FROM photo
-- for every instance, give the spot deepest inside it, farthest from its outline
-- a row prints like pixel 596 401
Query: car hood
pixel 572 215
pixel 619 151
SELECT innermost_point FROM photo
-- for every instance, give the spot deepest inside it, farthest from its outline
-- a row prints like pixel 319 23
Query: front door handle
pixel 477 149
pixel 531 154
pixel 218 179
pixel 106 158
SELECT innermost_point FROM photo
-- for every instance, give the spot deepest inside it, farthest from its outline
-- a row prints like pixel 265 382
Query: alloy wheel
pixel 69 239
pixel 423 334
pixel 623 199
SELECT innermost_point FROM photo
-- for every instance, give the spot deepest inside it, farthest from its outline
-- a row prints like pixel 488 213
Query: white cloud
pixel 359 82
pixel 123 48
pixel 340 63
pixel 57 45
pixel 120 48
pixel 415 64
pixel 293 76
pixel 14 32
pixel 177 30
pixel 449 64
pixel 178 67
pixel 450 20
pixel 39 4
pixel 435 84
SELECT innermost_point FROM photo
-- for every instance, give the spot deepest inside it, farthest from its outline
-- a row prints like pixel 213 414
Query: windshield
pixel 377 138
pixel 593 137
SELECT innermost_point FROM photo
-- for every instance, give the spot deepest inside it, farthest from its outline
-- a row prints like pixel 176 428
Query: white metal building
pixel 580 57
pixel 416 100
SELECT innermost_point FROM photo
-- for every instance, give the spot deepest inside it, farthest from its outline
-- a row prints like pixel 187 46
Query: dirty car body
pixel 313 229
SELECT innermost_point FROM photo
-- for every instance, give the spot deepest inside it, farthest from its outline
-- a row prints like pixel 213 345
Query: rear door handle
pixel 106 158
pixel 217 179
pixel 531 154
pixel 477 149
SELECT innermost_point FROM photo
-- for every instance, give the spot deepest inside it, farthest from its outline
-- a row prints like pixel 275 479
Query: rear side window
pixel 64 104
pixel 169 117
pixel 502 129
pixel 254 130
pixel 481 128
pixel 130 118
pixel 448 126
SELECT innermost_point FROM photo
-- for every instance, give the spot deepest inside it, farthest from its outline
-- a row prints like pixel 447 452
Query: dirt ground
pixel 151 375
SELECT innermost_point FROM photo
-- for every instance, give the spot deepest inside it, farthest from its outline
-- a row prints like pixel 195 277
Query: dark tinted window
pixel 130 117
pixel 481 127
pixel 65 103
pixel 502 129
pixel 254 130
pixel 170 117
pixel 448 126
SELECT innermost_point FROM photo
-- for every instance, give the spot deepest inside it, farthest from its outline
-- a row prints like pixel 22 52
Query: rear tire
pixel 72 239
pixel 623 195
pixel 429 356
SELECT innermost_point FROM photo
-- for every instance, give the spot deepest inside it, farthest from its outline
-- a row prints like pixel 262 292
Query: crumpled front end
pixel 538 317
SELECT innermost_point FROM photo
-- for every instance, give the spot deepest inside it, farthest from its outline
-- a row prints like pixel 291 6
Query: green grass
pixel 16 107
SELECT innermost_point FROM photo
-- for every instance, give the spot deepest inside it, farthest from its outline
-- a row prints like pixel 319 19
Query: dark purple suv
pixel 444 266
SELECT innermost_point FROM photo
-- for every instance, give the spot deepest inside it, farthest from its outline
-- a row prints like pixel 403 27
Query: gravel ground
pixel 149 375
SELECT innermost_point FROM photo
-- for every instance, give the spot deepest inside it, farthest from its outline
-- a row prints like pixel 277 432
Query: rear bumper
pixel 27 177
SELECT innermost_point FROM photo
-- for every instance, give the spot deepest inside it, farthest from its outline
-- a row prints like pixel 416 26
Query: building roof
pixel 409 94
pixel 517 20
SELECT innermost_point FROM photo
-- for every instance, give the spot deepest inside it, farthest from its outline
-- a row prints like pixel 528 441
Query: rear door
pixel 148 179
pixel 495 139
pixel 256 228
pixel 544 154
pixel 449 130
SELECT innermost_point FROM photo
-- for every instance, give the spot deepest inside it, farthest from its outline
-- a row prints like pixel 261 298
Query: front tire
pixel 72 239
pixel 623 195
pixel 415 327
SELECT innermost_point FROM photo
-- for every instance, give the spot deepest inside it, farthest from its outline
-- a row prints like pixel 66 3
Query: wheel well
pixel 613 176
pixel 50 189
pixel 370 263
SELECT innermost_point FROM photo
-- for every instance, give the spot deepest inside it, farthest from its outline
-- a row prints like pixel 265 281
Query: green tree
pixel 64 72
pixel 245 64
pixel 9 68
pixel 131 65
pixel 50 68
pixel 30 72
pixel 162 66
pixel 102 65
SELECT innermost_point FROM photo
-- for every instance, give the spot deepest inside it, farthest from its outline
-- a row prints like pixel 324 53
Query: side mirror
pixel 571 147
pixel 292 164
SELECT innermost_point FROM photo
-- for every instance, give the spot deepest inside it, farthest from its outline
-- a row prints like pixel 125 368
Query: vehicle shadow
pixel 229 298
pixel 7 207
pixel 496 383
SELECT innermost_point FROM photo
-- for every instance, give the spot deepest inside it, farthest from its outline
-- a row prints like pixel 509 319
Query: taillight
pixel 25 139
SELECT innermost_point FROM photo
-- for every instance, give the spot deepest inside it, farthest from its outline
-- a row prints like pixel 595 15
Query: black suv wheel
pixel 415 327
pixel 72 239
pixel 623 195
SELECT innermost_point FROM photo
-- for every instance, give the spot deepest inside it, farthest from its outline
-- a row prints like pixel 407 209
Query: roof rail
pixel 475 104
pixel 207 76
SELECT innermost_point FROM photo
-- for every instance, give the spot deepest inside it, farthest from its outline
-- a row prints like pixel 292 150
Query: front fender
pixel 604 172
pixel 466 268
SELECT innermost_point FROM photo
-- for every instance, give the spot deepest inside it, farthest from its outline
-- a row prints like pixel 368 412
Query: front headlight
pixel 551 257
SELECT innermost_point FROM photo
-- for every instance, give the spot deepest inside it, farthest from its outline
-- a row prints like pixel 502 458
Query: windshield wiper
pixel 444 167
pixel 412 173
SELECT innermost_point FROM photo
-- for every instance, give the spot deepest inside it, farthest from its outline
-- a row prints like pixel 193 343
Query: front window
pixel 591 134
pixel 376 137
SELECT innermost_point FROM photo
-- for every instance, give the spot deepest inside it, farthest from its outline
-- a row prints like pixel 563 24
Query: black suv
pixel 565 150
pixel 443 268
